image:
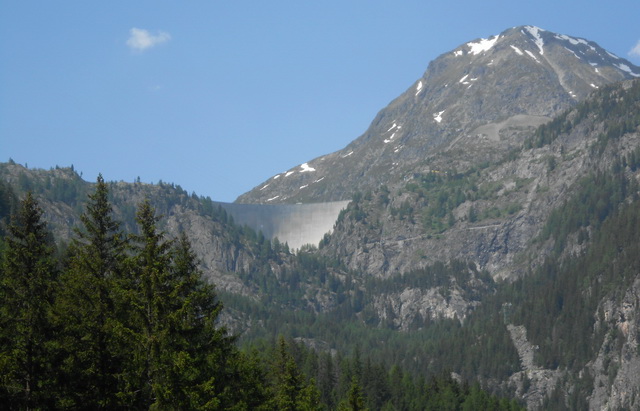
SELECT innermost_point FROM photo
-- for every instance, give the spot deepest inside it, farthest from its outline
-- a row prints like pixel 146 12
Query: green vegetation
pixel 435 195
pixel 598 197
pixel 127 321
pixel 617 114
pixel 29 277
pixel 356 383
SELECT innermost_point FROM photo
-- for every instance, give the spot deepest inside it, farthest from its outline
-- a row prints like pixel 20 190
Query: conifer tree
pixel 150 302
pixel 198 353
pixel 185 359
pixel 92 307
pixel 288 378
pixel 291 391
pixel 355 398
pixel 28 281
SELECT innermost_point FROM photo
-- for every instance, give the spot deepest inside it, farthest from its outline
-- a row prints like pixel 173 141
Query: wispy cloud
pixel 636 50
pixel 141 39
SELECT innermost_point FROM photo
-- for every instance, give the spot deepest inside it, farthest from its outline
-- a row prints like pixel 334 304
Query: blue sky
pixel 217 96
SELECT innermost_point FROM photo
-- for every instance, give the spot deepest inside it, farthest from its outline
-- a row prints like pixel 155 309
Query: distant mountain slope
pixel 472 104
pixel 223 247
pixel 490 213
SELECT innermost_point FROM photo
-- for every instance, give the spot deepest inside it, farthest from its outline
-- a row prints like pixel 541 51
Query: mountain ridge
pixel 506 83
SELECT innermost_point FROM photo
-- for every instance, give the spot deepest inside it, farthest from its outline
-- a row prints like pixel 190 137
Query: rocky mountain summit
pixel 472 105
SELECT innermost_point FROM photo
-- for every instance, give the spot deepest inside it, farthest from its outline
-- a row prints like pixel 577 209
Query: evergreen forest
pixel 121 319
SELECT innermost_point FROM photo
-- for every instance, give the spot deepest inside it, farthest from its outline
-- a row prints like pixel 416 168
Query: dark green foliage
pixel 355 399
pixel 61 184
pixel 150 304
pixel 319 380
pixel 91 308
pixel 597 197
pixel 8 202
pixel 440 193
pixel 569 293
pixel 180 358
pixel 432 345
pixel 437 194
pixel 617 114
pixel 549 132
pixel 28 284
pixel 132 326
pixel 291 390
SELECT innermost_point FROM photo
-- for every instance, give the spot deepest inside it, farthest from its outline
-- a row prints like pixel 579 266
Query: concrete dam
pixel 294 224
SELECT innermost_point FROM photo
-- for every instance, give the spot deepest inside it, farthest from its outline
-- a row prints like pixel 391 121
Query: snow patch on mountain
pixel 388 140
pixel 305 167
pixel 348 154
pixel 575 41
pixel 533 56
pixel 419 88
pixel 517 50
pixel 482 45
pixel 627 69
pixel 572 52
pixel 535 33
pixel 438 116
pixel 613 56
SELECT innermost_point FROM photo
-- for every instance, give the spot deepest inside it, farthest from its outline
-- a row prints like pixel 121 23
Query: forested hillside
pixel 126 320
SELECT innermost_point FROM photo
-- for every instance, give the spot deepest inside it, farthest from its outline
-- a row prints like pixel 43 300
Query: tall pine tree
pixel 185 359
pixel 28 282
pixel 290 389
pixel 92 309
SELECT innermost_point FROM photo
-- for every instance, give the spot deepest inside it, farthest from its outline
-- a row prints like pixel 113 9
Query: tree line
pixel 127 321
pixel 118 321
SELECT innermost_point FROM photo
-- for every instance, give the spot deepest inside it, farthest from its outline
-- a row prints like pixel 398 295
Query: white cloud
pixel 636 50
pixel 140 39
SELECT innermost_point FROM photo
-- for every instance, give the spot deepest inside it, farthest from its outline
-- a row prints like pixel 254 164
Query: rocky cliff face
pixel 61 193
pixel 617 366
pixel 473 104
pixel 511 199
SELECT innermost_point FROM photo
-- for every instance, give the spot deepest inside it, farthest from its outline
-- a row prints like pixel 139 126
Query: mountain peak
pixel 472 104
pixel 532 41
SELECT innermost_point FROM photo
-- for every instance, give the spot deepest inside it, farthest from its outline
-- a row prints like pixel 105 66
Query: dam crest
pixel 294 224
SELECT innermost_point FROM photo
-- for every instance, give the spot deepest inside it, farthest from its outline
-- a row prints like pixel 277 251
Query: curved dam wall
pixel 294 224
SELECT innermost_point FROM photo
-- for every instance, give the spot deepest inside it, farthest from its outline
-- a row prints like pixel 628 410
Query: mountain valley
pixel 491 232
